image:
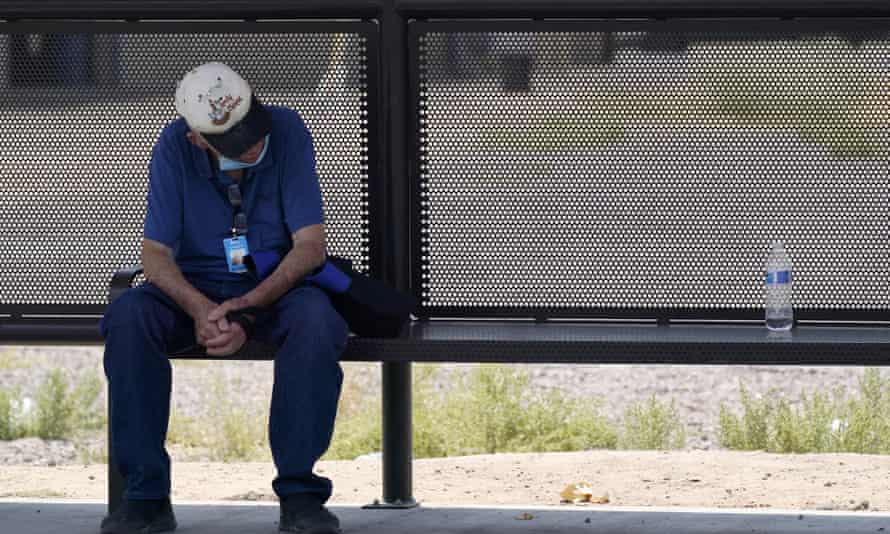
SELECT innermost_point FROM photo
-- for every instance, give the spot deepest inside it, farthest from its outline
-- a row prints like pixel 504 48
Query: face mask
pixel 226 164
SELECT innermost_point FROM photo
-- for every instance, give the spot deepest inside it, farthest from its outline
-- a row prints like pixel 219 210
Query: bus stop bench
pixel 534 224
pixel 572 341
pixel 512 341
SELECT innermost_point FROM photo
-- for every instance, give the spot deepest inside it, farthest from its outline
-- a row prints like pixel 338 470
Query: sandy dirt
pixel 719 479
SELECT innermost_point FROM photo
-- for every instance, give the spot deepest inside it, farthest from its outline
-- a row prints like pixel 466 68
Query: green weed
pixel 89 412
pixel 185 431
pixel 857 423
pixel 9 428
pixel 54 413
pixel 864 420
pixel 490 409
pixel 240 431
pixel 751 430
pixel 58 410
pixel 652 425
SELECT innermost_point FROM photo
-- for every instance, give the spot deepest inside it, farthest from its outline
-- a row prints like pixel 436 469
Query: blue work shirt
pixel 189 211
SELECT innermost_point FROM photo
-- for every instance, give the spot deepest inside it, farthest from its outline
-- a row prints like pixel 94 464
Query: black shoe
pixel 307 514
pixel 140 517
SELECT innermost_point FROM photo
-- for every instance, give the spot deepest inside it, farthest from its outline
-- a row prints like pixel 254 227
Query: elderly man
pixel 234 224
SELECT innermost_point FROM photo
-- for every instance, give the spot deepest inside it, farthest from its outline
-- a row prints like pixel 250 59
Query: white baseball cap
pixel 219 104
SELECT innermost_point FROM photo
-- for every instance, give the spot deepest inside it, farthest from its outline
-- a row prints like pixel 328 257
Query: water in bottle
pixel 779 313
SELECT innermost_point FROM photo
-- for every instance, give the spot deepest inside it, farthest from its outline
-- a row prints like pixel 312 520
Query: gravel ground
pixel 721 479
pixel 697 390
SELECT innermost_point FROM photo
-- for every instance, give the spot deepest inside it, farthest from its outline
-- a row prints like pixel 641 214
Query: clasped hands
pixel 214 331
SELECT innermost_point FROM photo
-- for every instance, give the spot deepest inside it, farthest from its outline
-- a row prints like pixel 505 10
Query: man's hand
pixel 218 314
pixel 205 329
pixel 227 343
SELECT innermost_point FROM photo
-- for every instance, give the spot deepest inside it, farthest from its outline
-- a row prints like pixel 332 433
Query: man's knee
pixel 135 309
pixel 312 316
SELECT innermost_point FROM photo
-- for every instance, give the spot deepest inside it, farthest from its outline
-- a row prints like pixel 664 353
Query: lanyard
pixel 239 224
pixel 234 196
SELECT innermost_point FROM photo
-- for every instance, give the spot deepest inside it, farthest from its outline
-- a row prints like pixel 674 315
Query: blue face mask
pixel 226 164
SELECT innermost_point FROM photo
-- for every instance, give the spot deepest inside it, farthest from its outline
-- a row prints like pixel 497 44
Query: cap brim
pixel 238 139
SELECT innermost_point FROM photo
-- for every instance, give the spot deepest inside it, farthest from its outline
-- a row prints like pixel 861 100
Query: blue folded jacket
pixel 331 278
pixel 370 307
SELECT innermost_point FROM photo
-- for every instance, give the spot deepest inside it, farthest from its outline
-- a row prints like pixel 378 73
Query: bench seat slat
pixel 510 341
pixel 487 341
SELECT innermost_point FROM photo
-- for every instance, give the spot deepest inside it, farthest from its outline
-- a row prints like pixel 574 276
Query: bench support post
pixel 390 243
pixel 397 442
pixel 116 482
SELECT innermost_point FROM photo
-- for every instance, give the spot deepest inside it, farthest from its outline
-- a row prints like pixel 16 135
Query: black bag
pixel 370 307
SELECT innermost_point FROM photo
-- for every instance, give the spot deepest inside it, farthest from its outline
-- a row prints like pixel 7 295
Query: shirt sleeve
pixel 163 215
pixel 300 190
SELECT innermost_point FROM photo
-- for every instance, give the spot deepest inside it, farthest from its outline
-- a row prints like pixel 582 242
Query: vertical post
pixel 397 430
pixel 394 249
pixel 116 482
pixel 396 234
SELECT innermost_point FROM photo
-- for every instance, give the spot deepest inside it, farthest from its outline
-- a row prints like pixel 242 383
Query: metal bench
pixel 557 217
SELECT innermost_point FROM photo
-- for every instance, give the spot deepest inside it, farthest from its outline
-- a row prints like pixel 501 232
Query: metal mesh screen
pixel 645 167
pixel 80 111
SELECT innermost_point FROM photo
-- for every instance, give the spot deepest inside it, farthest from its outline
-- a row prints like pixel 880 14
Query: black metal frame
pixel 646 9
pixel 661 315
pixel 189 9
pixel 65 323
pixel 22 314
pixel 431 9
pixel 396 376
pixel 365 29
pixel 756 28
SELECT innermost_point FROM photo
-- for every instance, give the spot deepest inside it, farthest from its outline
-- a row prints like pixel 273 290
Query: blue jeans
pixel 144 325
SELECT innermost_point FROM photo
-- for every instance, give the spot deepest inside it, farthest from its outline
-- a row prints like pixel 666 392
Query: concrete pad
pixel 73 517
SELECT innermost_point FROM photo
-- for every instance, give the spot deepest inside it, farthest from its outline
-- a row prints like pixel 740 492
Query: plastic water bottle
pixel 779 313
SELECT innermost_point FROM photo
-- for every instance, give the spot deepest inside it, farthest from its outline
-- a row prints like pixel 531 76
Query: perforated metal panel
pixel 643 169
pixel 82 104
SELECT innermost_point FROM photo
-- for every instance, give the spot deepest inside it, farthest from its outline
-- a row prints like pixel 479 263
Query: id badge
pixel 236 250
